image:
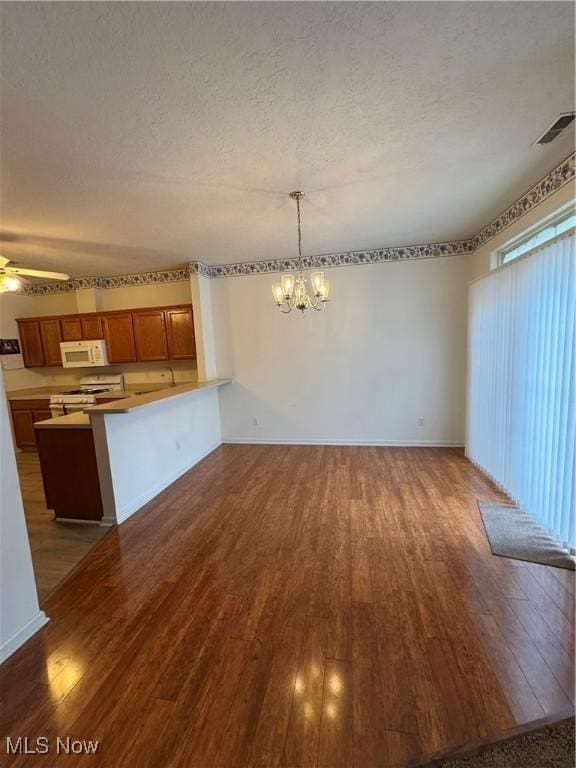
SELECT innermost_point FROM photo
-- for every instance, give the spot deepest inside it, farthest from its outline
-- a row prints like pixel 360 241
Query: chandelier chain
pixel 299 235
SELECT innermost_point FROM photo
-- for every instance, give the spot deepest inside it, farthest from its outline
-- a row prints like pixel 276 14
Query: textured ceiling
pixel 138 136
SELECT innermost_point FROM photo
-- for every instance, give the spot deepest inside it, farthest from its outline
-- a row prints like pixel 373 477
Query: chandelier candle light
pixel 291 292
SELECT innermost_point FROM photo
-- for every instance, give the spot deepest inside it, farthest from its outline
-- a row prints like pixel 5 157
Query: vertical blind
pixel 521 407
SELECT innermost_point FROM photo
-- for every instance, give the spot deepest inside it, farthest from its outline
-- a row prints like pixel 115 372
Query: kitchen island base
pixel 70 471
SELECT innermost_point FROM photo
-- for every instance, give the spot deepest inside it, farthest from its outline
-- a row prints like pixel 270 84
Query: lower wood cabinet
pixel 42 415
pixel 24 429
pixel 25 413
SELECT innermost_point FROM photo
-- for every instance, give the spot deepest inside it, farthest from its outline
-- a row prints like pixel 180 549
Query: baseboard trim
pixel 23 634
pixel 127 511
pixel 344 442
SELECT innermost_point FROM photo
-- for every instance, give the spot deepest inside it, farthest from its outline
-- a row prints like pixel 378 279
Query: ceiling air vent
pixel 561 122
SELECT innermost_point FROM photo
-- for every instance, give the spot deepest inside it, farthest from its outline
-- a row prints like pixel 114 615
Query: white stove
pixel 80 398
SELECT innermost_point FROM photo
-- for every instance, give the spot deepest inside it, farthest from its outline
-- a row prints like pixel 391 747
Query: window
pixel 521 407
pixel 548 231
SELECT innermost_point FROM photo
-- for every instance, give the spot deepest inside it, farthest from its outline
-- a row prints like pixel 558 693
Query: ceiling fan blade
pixel 4 261
pixel 38 273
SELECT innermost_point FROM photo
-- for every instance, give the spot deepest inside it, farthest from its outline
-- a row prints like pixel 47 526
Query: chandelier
pixel 291 292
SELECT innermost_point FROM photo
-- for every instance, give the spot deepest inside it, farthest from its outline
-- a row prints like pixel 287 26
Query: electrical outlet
pixel 421 421
pixel 12 362
pixel 255 421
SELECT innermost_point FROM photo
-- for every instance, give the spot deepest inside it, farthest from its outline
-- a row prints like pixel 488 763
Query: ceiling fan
pixel 13 278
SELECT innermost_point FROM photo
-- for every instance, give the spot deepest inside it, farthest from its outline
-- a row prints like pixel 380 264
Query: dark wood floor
pixel 56 547
pixel 297 607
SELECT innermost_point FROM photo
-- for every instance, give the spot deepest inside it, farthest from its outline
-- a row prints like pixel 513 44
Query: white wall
pixel 389 349
pixel 201 288
pixel 154 295
pixel 20 615
pixel 142 452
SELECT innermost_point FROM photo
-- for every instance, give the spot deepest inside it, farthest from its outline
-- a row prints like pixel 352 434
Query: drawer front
pixel 30 405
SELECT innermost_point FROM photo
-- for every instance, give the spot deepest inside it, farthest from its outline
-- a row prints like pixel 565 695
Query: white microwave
pixel 83 354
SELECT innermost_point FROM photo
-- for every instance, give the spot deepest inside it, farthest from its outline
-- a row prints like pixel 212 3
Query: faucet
pixel 168 368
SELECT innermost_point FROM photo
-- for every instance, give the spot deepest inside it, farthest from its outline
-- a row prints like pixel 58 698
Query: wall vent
pixel 551 133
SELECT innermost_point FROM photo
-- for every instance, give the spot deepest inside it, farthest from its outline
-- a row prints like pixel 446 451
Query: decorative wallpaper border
pixel 552 182
pixel 348 258
pixel 198 268
pixel 119 281
pixel 561 175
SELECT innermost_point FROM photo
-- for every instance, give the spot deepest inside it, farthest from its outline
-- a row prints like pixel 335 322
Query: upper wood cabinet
pixel 71 328
pixel 91 328
pixel 31 341
pixel 150 334
pixel 80 328
pixel 181 340
pixel 51 338
pixel 119 335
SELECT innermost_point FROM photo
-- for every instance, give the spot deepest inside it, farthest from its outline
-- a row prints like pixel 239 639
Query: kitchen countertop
pixel 139 401
pixel 128 402
pixel 38 393
pixel 43 393
pixel 76 420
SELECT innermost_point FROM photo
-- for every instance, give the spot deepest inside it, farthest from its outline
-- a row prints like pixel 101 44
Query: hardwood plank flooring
pixel 56 547
pixel 298 607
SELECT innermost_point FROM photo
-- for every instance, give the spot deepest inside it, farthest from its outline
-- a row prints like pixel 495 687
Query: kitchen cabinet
pixel 31 343
pixel 25 413
pixel 181 340
pixel 24 429
pixel 71 328
pixel 51 338
pixel 119 335
pixel 147 334
pixel 42 415
pixel 150 334
pixel 91 328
